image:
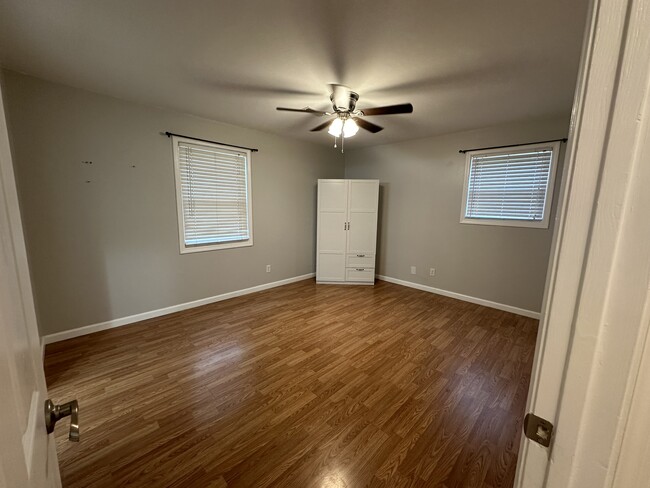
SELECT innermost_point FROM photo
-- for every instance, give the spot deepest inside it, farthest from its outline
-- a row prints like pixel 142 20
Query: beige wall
pixel 421 191
pixel 109 248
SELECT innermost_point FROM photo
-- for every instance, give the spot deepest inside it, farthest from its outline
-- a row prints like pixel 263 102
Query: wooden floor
pixel 299 386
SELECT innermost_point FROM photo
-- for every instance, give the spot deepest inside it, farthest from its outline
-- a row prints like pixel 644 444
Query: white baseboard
pixel 466 298
pixel 111 324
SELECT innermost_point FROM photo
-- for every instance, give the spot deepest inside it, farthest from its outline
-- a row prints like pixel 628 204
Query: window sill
pixel 216 247
pixel 540 224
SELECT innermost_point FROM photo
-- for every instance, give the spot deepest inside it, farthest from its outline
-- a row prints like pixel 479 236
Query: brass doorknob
pixel 54 413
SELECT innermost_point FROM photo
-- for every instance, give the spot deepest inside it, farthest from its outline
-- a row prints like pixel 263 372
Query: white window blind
pixel 509 185
pixel 214 194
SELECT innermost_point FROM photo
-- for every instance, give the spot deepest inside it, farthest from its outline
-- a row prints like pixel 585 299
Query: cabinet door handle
pixel 361 269
pixel 361 255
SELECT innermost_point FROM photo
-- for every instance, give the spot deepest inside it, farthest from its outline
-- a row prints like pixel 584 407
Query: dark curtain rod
pixel 169 134
pixel 510 145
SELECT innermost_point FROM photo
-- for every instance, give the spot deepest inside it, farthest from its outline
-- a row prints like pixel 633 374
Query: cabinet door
pixel 364 199
pixel 332 236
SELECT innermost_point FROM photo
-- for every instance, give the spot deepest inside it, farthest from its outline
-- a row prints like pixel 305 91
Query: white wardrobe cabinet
pixel 347 231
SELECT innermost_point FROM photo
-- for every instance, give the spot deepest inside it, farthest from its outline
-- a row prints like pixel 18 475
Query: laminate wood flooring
pixel 303 386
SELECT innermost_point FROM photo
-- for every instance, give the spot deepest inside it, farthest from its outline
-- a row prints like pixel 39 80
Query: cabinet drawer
pixel 360 260
pixel 366 275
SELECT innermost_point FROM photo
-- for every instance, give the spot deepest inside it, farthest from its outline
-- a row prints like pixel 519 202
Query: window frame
pixel 548 201
pixel 185 249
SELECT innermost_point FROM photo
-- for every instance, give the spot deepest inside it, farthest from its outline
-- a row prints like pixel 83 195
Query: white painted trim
pixel 111 324
pixel 609 326
pixel 346 283
pixel 630 468
pixel 460 296
pixel 568 250
pixel 599 266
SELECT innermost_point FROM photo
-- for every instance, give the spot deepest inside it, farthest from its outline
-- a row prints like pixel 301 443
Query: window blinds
pixel 508 185
pixel 214 184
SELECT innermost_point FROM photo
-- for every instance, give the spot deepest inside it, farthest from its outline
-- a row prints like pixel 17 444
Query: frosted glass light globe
pixel 350 128
pixel 336 127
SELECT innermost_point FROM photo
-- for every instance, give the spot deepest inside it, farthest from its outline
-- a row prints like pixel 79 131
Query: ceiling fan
pixel 348 118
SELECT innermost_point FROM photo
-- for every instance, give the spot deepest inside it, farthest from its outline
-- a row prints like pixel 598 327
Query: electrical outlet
pixel 432 271
pixel 413 270
pixel 268 268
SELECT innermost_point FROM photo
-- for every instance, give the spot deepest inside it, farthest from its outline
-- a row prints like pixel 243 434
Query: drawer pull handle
pixel 361 255
pixel 361 269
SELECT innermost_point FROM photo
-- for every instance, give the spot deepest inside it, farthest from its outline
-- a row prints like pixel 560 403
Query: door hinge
pixel 538 429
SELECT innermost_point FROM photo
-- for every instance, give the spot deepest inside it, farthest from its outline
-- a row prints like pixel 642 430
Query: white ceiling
pixel 463 64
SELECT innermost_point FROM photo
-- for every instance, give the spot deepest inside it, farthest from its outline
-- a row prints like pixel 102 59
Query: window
pixel 213 189
pixel 512 187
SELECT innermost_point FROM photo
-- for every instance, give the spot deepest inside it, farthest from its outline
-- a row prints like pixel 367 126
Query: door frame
pixel 577 382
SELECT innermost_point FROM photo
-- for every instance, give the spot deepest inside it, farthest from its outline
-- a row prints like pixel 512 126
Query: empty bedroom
pixel 288 244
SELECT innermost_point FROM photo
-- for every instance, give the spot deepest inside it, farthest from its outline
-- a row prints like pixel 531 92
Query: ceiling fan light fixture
pixel 350 128
pixel 341 127
pixel 336 127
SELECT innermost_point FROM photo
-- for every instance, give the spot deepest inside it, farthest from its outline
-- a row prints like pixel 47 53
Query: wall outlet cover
pixel 413 270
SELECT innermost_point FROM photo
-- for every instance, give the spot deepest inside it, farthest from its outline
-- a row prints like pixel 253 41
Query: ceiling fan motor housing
pixel 344 101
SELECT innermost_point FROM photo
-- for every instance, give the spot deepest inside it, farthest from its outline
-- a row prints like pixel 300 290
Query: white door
pixel 332 225
pixel 595 312
pixel 28 454
pixel 362 218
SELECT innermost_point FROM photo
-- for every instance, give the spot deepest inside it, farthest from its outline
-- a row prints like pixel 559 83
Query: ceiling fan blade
pixel 403 108
pixel 321 127
pixel 369 126
pixel 304 110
